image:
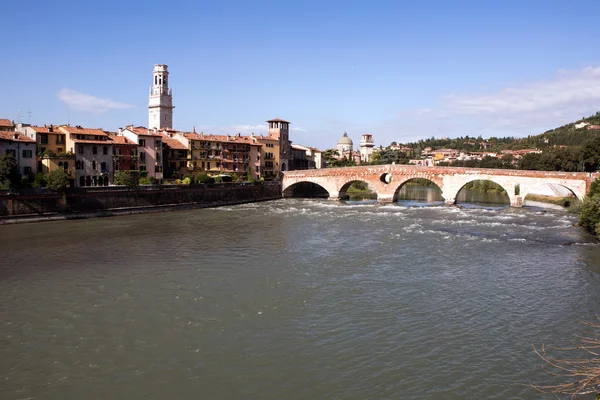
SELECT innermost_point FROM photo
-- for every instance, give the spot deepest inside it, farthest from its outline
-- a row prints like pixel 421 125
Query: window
pixel 27 153
pixel 157 144
pixel 208 165
pixel 12 151
pixel 80 149
pixel 143 157
pixel 103 167
pixel 78 166
pixel 105 150
pixel 257 170
pixel 27 170
pixel 60 139
pixel 94 165
pixel 142 167
pixel 43 139
pixel 142 142
pixel 59 150
pixel 66 166
pixel 117 167
pixel 94 150
pixel 81 181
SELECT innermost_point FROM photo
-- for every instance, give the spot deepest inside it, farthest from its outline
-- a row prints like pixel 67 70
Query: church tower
pixel 160 104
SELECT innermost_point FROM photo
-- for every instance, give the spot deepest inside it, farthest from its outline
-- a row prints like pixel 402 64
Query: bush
pixel 589 213
pixel 147 180
pixel 203 178
pixel 186 181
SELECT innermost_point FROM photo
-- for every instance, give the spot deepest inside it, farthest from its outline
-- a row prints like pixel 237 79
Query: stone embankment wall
pixel 40 202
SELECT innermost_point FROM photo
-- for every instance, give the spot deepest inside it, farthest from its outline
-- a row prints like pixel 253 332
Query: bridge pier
pixel 450 202
pixel 385 198
pixel 516 201
pixel 335 196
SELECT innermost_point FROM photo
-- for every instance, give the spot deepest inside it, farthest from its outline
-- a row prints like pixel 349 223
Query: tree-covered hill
pixel 566 135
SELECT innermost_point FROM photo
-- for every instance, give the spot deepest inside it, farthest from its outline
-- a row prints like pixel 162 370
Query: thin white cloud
pixel 250 128
pixel 568 96
pixel 88 103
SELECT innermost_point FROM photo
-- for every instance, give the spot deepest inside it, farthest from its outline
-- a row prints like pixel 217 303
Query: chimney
pixel 120 130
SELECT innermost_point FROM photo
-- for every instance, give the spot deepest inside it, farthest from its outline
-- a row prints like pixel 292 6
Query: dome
pixel 345 140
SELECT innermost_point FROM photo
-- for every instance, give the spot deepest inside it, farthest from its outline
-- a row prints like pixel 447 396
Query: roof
pixel 6 122
pixel 78 130
pixel 278 120
pixel 45 129
pixel 174 144
pixel 7 135
pixel 84 141
pixel 345 139
pixel 142 131
pixel 121 140
pixel 220 138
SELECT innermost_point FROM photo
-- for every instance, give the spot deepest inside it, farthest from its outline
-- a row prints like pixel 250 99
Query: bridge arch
pixel 410 180
pixel 343 190
pixel 555 190
pixel 305 189
pixel 483 184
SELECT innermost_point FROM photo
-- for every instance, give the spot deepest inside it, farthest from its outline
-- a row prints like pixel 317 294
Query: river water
pixel 293 299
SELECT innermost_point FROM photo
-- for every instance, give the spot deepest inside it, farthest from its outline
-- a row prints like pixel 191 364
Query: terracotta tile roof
pixel 84 141
pixel 78 130
pixel 121 140
pixel 142 131
pixel 44 129
pixel 5 122
pixel 221 138
pixel 174 144
pixel 10 136
pixel 278 120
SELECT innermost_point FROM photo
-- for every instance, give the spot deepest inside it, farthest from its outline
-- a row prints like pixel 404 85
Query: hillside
pixel 566 135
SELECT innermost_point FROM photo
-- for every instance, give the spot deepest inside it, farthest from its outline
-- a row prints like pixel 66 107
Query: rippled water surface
pixel 292 299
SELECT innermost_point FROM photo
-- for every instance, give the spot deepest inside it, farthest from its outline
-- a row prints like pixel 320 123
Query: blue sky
pixel 401 70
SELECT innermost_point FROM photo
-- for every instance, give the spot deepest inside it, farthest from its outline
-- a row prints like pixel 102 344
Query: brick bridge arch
pixel 449 179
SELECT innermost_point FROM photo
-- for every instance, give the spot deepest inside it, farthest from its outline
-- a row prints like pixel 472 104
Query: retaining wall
pixel 40 202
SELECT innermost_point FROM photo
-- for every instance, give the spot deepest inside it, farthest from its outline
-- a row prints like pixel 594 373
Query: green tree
pixel 57 180
pixel 10 178
pixel 125 179
pixel 249 176
pixel 591 154
pixel 203 178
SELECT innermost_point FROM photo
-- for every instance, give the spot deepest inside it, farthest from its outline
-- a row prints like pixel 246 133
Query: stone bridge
pixel 386 180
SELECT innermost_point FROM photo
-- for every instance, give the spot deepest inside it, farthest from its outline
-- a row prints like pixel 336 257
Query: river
pixel 293 299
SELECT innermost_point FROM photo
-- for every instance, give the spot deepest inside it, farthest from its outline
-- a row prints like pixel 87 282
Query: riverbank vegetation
pixel 579 364
pixel 484 186
pixel 589 209
pixel 359 191
pixel 558 201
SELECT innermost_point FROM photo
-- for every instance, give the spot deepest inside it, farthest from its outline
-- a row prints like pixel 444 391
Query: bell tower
pixel 160 103
pixel 280 129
